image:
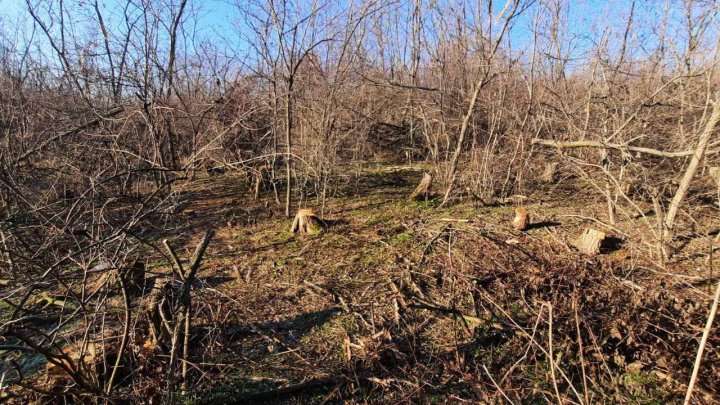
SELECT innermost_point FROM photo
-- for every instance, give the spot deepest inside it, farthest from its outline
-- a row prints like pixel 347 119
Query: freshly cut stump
pixel 590 241
pixel 522 219
pixel 71 356
pixel 714 173
pixel 423 189
pixel 548 175
pixel 306 222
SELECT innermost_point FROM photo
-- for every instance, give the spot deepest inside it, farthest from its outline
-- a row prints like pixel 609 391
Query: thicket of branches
pixel 104 108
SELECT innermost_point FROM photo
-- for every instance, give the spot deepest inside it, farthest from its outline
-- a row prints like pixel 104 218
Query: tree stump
pixel 714 174
pixel 261 177
pixel 590 241
pixel 522 219
pixel 306 222
pixel 134 278
pixel 75 357
pixel 423 189
pixel 548 175
pixel 159 312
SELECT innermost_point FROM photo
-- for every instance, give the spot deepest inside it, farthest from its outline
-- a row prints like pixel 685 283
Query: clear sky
pixel 218 17
pixel 215 15
pixel 586 21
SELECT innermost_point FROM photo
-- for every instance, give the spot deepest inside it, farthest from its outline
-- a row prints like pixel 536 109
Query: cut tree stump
pixel 548 175
pixel 522 219
pixel 423 189
pixel 159 312
pixel 714 173
pixel 306 222
pixel 590 241
pixel 134 278
pixel 70 357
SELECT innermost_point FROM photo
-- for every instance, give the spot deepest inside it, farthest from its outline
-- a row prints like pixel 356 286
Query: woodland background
pixel 116 117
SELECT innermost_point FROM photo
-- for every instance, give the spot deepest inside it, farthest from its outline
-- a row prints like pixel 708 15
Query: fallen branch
pixel 703 343
pixel 279 394
pixel 422 304
pixel 615 146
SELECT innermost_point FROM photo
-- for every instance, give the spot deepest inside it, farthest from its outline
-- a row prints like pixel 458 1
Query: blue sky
pixel 215 15
pixel 587 20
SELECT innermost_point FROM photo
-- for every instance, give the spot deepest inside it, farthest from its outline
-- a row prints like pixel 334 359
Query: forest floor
pixel 404 301
pixel 409 302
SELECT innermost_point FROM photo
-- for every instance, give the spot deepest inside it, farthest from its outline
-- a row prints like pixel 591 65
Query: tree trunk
pixel 288 157
pixel 692 167
pixel 482 80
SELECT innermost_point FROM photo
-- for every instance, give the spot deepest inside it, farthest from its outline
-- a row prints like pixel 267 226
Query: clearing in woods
pixel 403 300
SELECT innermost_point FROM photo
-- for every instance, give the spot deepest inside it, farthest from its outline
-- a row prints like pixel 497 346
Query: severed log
pixel 169 299
pixel 615 146
pixel 306 222
pixel 423 189
pixel 159 313
pixel 522 219
pixel 590 241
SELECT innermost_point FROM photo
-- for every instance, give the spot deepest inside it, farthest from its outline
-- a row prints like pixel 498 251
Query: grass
pixel 645 388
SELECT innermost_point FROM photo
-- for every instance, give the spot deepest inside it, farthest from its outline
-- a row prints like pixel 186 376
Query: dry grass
pixel 404 303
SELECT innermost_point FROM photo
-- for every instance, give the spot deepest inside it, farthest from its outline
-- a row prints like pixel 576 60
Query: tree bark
pixel 590 241
pixel 288 157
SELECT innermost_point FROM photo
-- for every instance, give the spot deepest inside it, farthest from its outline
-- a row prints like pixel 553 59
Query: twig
pixel 703 342
pixel 453 220
pixel 581 351
pixel 184 302
pixel 532 339
pixel 279 394
pixel 30 152
pixel 126 333
pixel 558 240
pixel 431 241
pixel 496 385
pixel 550 355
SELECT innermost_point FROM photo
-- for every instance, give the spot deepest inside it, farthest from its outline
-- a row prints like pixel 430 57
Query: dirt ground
pixel 409 302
